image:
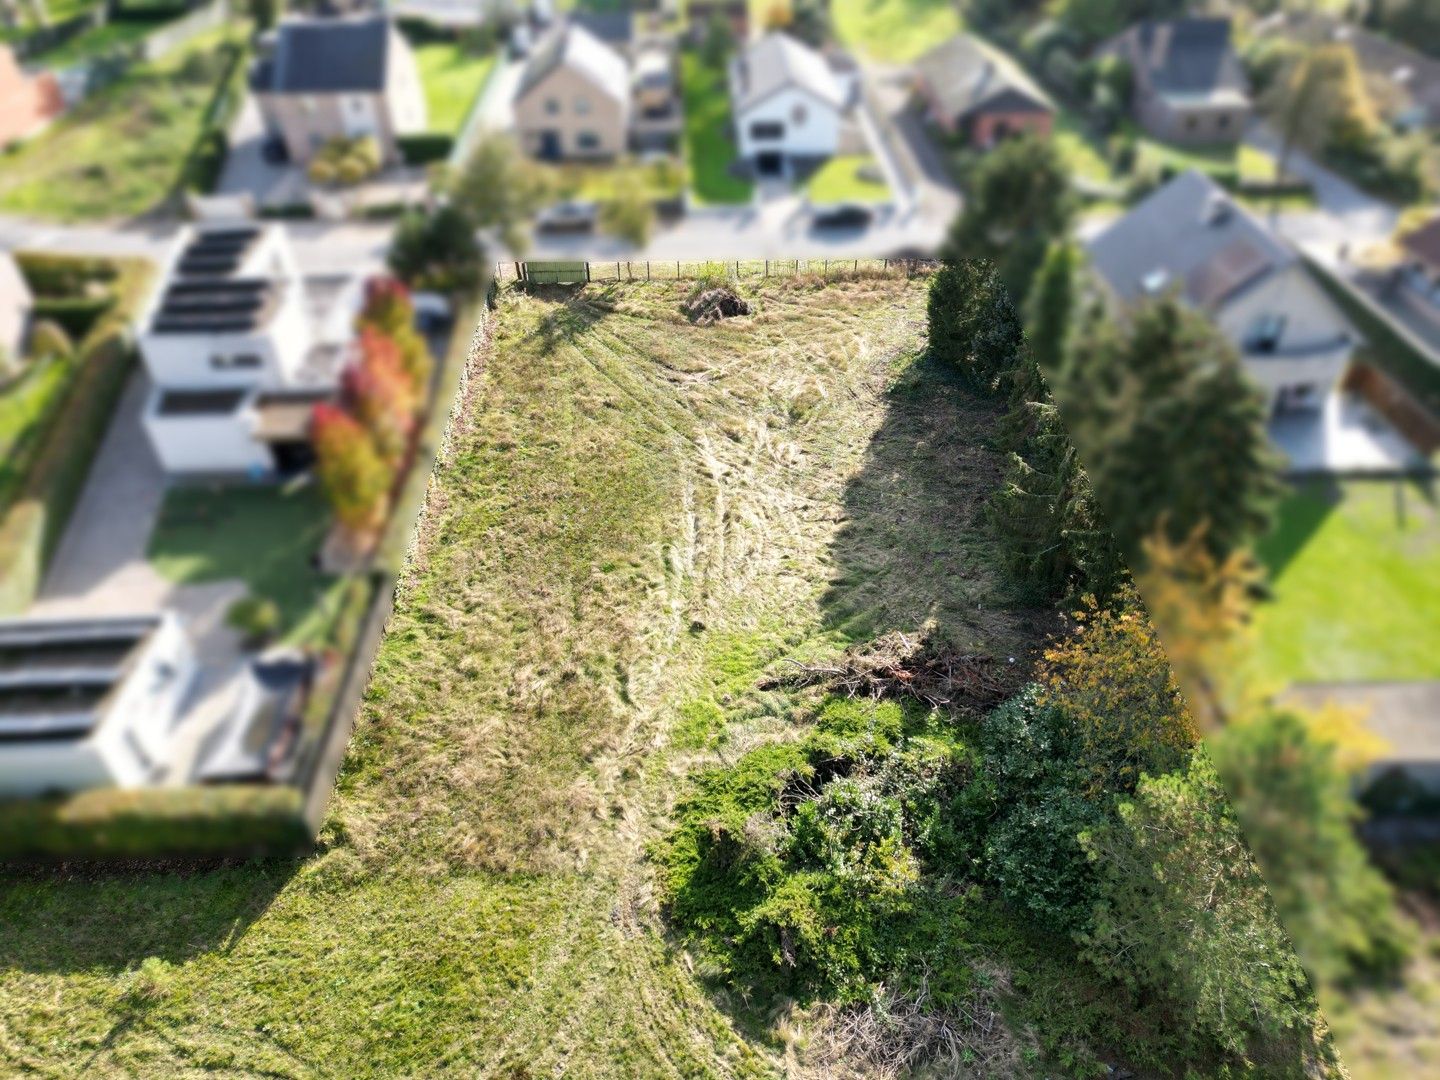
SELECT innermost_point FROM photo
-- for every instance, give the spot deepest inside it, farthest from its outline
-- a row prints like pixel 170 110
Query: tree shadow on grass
pixel 1298 517
pixel 61 920
pixel 575 309
pixel 915 550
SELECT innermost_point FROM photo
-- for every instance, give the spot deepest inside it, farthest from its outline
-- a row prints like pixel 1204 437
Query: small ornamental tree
pixel 972 323
pixel 389 310
pixel 352 473
pixel 380 396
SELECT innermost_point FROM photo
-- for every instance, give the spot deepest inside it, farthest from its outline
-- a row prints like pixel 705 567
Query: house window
pixel 1265 334
pixel 587 140
pixel 582 106
pixel 798 115
pixel 1222 121
pixel 767 129
pixel 552 106
pixel 235 362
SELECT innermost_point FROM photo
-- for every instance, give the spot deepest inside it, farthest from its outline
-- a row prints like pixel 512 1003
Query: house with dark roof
pixel 1188 85
pixel 1403 82
pixel 574 97
pixel 239 348
pixel 971 88
pixel 1192 240
pixel 790 104
pixel 339 77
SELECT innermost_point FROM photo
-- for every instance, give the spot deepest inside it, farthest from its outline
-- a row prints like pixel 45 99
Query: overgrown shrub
pixel 425 148
pixel 48 339
pixel 972 323
pixel 257 618
pixel 75 315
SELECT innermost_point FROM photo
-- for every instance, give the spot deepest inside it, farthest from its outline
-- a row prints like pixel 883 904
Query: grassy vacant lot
pixel 709 150
pixel 635 518
pixel 453 77
pixel 840 180
pixel 895 31
pixel 265 536
pixel 121 151
pixel 1356 569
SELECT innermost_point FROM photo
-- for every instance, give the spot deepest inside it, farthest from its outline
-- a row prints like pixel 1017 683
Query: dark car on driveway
pixel 849 216
pixel 567 217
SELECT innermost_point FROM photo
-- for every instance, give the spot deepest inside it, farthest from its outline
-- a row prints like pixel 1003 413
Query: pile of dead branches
pixel 909 1036
pixel 712 305
pixel 897 665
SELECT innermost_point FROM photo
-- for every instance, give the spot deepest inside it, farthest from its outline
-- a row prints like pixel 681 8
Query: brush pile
pixel 712 305
pixel 896 665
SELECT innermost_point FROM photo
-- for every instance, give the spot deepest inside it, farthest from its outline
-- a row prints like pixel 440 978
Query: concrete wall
pixel 568 104
pixel 810 127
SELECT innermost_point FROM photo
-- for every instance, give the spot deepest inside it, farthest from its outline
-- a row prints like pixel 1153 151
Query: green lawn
pixel 1079 149
pixel 602 182
pixel 894 30
pixel 121 152
pixel 1356 576
pixel 709 150
pixel 453 77
pixel 840 180
pixel 265 536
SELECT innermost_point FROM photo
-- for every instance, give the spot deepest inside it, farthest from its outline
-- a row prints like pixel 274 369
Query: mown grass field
pixel 635 518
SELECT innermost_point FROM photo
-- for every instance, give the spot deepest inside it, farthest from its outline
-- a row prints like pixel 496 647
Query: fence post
pixel 587 273
pixel 766 272
pixel 647 269
pixel 677 269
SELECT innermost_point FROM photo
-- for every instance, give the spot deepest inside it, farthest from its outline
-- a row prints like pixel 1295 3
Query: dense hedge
pixel 62 275
pixel 425 148
pixel 76 315
pixel 110 823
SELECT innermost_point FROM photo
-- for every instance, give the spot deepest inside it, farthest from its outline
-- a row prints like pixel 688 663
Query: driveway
pixel 1406 715
pixel 100 569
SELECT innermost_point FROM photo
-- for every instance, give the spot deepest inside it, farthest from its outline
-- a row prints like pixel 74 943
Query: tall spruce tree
pixel 1171 430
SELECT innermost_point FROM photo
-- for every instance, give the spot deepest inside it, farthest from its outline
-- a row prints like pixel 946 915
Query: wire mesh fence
pixel 567 272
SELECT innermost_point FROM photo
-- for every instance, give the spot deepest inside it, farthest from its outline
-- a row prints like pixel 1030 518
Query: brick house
pixel 971 88
pixel 27 102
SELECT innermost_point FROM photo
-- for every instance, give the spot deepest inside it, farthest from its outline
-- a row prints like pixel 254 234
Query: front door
pixel 770 163
pixel 549 148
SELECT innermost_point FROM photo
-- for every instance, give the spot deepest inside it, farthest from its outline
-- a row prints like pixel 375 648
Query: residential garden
pixel 453 74
pixel 709 148
pixel 129 148
pixel 894 31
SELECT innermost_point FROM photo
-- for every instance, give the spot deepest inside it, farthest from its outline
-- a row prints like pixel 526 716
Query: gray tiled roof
pixel 778 61
pixel 1186 55
pixel 334 55
pixel 1188 235
pixel 967 75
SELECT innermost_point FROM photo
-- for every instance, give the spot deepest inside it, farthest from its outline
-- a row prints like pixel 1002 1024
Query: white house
pixel 789 103
pixel 89 703
pixel 1192 239
pixel 239 347
pixel 16 304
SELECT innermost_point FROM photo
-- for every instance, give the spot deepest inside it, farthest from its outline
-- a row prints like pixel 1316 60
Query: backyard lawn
pixel 453 77
pixel 709 150
pixel 895 31
pixel 847 179
pixel 1356 576
pixel 264 535
pixel 121 152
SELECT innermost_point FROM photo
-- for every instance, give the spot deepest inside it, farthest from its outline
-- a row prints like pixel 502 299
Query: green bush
pixel 426 148
pixel 63 275
pixel 111 823
pixel 207 161
pixel 972 323
pixel 255 617
pixel 77 316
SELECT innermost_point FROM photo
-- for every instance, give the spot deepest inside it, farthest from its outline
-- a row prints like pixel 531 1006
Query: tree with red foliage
pixel 389 309
pixel 352 472
pixel 380 395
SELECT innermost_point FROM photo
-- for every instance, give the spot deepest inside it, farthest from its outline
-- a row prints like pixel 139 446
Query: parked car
pixel 846 216
pixel 571 216
pixel 273 151
pixel 521 39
